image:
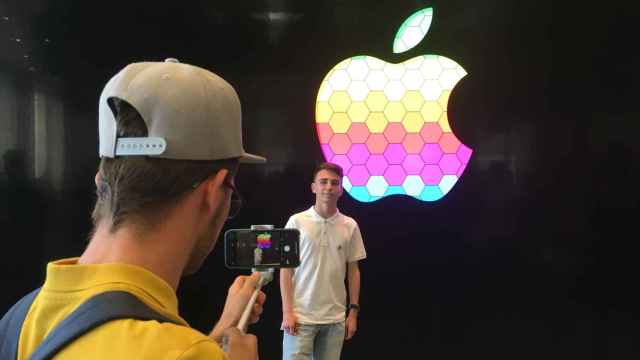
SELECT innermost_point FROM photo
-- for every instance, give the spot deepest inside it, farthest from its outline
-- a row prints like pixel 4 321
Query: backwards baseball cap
pixel 190 113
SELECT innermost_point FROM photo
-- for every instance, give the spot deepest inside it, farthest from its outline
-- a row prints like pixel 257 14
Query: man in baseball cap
pixel 170 145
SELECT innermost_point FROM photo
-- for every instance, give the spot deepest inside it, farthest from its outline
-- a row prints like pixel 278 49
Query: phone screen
pixel 262 248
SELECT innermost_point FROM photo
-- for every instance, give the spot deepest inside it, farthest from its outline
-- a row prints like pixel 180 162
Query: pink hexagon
pixel 431 153
pixel 343 161
pixel 395 175
pixel 377 164
pixel 431 132
pixel 413 143
pixel 449 164
pixel 464 153
pixel 377 143
pixel 340 143
pixel 358 154
pixel 449 143
pixel 326 150
pixel 395 154
pixel 461 169
pixel 431 174
pixel 395 132
pixel 358 133
pixel 324 132
pixel 413 164
pixel 358 175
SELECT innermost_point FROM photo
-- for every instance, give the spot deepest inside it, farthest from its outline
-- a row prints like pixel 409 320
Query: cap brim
pixel 247 158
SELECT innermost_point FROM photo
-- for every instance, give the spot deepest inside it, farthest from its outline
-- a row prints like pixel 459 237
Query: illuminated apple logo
pixel 386 124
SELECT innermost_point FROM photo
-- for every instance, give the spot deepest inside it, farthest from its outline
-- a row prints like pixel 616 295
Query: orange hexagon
pixel 394 133
pixel 376 143
pixel 340 143
pixel 358 133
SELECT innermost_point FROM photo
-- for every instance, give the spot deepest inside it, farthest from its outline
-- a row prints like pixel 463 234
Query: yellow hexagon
pixel 376 122
pixel 376 101
pixel 339 123
pixel 431 111
pixel 444 122
pixel 340 101
pixel 444 99
pixel 413 122
pixel 358 112
pixel 413 100
pixel 323 112
pixel 394 111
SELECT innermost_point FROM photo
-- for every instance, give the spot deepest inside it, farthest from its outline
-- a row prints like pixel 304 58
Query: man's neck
pixel 160 252
pixel 325 210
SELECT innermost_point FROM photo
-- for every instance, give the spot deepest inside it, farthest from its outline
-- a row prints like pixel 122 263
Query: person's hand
pixel 351 325
pixel 240 346
pixel 289 323
pixel 237 299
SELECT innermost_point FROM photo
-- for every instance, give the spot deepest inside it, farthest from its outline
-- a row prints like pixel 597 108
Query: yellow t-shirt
pixel 68 285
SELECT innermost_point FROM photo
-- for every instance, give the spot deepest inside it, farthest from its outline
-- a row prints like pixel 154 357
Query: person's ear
pixel 98 178
pixel 214 192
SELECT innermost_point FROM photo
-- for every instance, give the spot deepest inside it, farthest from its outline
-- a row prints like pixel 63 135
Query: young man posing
pixel 314 294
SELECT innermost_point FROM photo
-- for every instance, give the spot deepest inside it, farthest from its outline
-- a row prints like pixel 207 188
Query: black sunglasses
pixel 236 199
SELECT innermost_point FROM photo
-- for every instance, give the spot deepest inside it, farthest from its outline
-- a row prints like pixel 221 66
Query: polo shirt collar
pixel 67 275
pixel 317 217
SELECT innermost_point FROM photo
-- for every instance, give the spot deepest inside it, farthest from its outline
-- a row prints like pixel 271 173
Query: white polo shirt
pixel 326 246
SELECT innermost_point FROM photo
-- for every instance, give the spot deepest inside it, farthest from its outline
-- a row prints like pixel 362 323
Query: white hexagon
pixel 394 91
pixel 447 182
pixel 339 80
pixel 412 79
pixel 431 90
pixel 461 71
pixel 358 90
pixel 343 64
pixel 431 68
pixel 325 91
pixel 413 185
pixel 449 78
pixel 358 69
pixel 377 185
pixel 374 63
pixel 346 184
pixel 394 71
pixel 414 63
pixel 376 80
pixel 447 63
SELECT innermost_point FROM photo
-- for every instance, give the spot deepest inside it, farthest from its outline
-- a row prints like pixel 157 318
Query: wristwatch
pixel 354 306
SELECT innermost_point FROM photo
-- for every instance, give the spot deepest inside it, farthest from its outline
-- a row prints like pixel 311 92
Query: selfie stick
pixel 266 275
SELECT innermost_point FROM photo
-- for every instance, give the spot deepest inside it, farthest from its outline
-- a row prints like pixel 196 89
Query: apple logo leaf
pixel 413 30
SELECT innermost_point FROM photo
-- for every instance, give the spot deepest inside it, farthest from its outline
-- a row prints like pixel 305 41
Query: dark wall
pixel 531 255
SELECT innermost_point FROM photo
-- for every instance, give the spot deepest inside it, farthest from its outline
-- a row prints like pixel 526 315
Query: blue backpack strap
pixel 11 325
pixel 94 312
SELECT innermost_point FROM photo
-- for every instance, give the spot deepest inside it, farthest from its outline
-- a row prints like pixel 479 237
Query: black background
pixel 531 255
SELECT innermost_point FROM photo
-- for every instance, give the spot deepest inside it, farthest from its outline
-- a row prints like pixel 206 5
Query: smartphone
pixel 259 249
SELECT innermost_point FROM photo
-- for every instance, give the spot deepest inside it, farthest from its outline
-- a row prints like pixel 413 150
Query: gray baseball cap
pixel 191 113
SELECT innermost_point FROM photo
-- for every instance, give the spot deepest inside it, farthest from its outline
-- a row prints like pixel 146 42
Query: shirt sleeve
pixel 291 224
pixel 203 350
pixel 356 246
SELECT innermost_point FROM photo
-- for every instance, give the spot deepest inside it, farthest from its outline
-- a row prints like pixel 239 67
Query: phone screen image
pixel 262 248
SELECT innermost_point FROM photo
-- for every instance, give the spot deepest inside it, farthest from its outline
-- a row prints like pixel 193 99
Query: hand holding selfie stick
pixel 266 275
pixel 265 278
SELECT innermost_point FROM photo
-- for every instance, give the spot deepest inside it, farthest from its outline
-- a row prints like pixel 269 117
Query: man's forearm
pixel 354 284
